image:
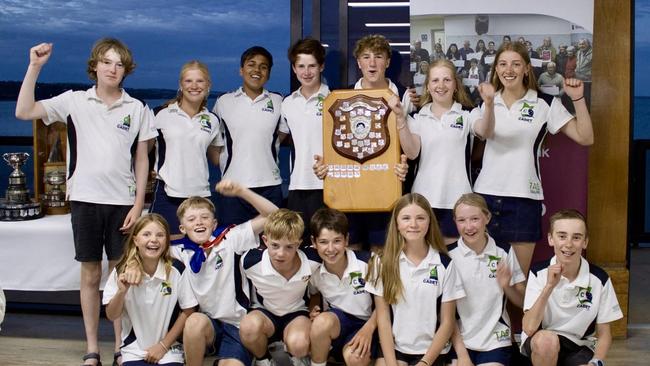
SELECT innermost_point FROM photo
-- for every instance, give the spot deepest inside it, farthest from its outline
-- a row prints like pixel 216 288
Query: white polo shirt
pixel 574 308
pixel 484 321
pixel 100 139
pixel 249 128
pixel 149 309
pixel 303 119
pixel 511 157
pixel 183 141
pixel 426 287
pixel 347 293
pixel 444 152
pixel 270 290
pixel 220 287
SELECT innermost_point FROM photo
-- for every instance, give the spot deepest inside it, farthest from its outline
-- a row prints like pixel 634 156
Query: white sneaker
pixel 265 362
pixel 304 361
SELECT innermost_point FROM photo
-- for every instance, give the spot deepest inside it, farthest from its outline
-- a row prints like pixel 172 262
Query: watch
pixel 597 362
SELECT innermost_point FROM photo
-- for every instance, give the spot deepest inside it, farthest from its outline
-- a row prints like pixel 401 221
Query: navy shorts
pixel 227 344
pixel 368 228
pixel 235 211
pixel 514 219
pixel 445 218
pixel 306 202
pixel 500 355
pixel 96 227
pixel 281 322
pixel 349 325
pixel 166 206
pixel 570 354
pixel 412 360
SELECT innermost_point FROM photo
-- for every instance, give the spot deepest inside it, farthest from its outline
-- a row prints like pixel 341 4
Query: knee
pixel 196 327
pixel 297 344
pixel 352 359
pixel 251 326
pixel 545 343
pixel 322 325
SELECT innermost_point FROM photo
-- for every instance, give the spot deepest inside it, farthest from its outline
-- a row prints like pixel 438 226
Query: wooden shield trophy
pixel 360 148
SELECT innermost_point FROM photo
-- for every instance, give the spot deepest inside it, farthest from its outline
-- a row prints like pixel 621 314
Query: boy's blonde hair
pixel 194 202
pixel 567 214
pixel 131 257
pixel 99 50
pixel 284 223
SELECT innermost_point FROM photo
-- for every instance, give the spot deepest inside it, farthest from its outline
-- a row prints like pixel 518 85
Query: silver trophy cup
pixel 17 191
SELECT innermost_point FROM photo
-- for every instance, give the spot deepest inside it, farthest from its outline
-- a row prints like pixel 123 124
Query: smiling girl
pixel 415 286
pixel 147 310
pixel 186 132
pixel 510 178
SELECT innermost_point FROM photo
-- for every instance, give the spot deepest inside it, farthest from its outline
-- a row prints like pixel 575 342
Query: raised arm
pixel 26 106
pixel 534 316
pixel 580 128
pixel 261 204
pixel 484 126
pixel 409 141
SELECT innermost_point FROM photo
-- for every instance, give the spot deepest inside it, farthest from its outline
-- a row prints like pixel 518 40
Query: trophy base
pixel 10 211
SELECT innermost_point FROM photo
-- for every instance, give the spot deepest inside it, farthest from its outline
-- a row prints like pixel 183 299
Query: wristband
pixel 596 362
pixel 424 362
pixel 163 346
pixel 575 100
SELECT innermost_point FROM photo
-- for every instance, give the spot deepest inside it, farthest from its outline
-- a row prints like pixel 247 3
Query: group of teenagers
pixel 450 255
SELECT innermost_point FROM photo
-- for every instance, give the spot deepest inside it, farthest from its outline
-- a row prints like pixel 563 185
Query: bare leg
pixel 524 252
pixel 197 334
pixel 91 274
pixel 117 323
pixel 545 347
pixel 324 329
pixel 255 330
pixel 296 336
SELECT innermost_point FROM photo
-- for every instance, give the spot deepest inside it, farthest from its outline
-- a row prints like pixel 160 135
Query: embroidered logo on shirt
pixel 357 282
pixel 206 125
pixel 584 297
pixel 125 123
pixel 165 288
pixel 534 187
pixel 493 262
pixel 433 276
pixel 502 335
pixel 219 263
pixel 458 123
pixel 269 106
pixel 319 105
pixel 305 278
pixel 527 112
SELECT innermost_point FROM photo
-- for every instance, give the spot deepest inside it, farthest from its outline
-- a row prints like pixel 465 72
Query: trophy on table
pixel 17 205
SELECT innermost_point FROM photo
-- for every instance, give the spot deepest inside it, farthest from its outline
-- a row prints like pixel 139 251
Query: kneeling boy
pixel 279 276
pixel 568 301
pixel 348 324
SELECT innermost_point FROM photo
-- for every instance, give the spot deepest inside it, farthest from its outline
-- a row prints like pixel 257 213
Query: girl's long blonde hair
pixel 386 266
pixel 460 94
pixel 131 257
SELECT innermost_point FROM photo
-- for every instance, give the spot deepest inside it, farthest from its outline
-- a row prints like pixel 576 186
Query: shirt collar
pixel 304 270
pixel 177 109
pixel 391 85
pixel 426 109
pixel 582 280
pixel 161 272
pixel 352 266
pixel 240 92
pixel 530 97
pixel 490 248
pixel 124 97
pixel 433 257
pixel 323 91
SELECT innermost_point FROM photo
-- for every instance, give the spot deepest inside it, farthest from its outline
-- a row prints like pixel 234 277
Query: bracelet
pixel 575 100
pixel 424 362
pixel 163 346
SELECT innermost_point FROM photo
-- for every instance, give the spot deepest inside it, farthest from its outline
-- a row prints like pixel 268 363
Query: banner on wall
pixel 558 35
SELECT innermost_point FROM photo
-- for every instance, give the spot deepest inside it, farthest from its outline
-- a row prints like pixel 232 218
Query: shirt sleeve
pixel 186 298
pixel 414 124
pixel 533 289
pixel 57 108
pixel 608 308
pixel 473 116
pixel 515 269
pixel 558 116
pixel 147 126
pixel 110 289
pixel 452 285
pixel 242 238
pixel 217 140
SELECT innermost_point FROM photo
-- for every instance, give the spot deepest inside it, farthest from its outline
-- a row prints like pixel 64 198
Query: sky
pixel 162 36
pixel 642 48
